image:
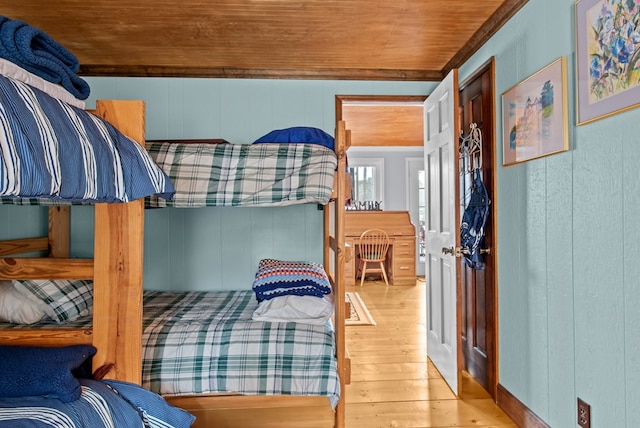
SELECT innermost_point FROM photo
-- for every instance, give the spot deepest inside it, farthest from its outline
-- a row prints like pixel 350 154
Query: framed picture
pixel 607 56
pixel 534 115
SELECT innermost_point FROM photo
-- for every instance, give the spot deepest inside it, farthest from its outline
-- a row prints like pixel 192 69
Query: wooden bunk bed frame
pixel 117 274
pixel 116 269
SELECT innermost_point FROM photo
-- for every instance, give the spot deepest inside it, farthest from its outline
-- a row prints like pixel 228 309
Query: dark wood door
pixel 478 285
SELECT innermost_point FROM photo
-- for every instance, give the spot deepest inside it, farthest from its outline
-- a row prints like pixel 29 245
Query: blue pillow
pixel 42 371
pixel 298 134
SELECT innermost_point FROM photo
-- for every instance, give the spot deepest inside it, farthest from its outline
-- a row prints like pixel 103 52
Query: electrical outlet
pixel 584 414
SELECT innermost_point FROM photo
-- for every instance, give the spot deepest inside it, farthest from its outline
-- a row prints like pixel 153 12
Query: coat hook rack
pixel 471 148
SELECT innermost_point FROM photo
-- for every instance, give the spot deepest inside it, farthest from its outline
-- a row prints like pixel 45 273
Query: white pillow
pixel 8 68
pixel 292 308
pixel 64 299
pixel 17 308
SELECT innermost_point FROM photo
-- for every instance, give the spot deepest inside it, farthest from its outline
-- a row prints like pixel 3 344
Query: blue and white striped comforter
pixel 50 149
pixel 102 404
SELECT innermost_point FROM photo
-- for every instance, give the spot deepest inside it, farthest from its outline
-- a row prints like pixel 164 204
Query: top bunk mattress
pixel 244 174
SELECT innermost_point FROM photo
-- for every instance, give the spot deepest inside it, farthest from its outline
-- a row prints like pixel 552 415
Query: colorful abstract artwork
pixel 607 57
pixel 534 115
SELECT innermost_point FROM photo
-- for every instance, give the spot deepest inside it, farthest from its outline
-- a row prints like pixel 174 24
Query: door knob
pixel 454 251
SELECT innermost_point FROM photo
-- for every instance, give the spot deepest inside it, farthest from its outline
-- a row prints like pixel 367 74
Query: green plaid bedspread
pixel 244 174
pixel 206 342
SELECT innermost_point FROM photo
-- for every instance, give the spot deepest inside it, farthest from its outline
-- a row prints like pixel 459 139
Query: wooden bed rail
pixel 12 247
pixel 57 265
pixel 256 411
pixel 45 268
pixel 49 337
pixel 57 243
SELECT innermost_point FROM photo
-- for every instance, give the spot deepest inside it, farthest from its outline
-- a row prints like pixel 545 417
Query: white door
pixel 441 166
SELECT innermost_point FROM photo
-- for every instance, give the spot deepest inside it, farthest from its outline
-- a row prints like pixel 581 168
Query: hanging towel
pixel 473 221
pixel 32 49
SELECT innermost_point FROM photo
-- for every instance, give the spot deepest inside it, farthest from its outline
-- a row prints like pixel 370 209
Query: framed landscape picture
pixel 534 115
pixel 607 57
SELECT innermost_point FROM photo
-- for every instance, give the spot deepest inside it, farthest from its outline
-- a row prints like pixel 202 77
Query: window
pixel 422 232
pixel 367 182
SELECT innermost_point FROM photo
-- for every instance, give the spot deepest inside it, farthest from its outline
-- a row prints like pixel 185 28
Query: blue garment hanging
pixel 473 221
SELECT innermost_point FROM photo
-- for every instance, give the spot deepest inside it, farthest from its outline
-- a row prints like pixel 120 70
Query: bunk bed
pixel 254 164
pixel 90 160
pixel 116 324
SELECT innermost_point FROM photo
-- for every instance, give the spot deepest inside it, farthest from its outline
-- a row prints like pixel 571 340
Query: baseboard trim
pixel 518 412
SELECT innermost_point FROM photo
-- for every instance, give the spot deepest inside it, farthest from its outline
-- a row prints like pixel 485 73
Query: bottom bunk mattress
pixel 206 342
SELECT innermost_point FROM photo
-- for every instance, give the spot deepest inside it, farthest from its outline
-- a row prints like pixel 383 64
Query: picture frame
pixel 534 115
pixel 607 58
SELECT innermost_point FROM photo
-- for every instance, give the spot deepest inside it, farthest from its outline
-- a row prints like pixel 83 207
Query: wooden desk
pixel 401 258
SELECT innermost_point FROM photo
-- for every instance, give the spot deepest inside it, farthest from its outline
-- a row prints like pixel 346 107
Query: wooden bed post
pixel 59 231
pixel 118 264
pixel 337 244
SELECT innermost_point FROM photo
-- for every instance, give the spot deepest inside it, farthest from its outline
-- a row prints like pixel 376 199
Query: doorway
pixel 399 125
pixel 389 126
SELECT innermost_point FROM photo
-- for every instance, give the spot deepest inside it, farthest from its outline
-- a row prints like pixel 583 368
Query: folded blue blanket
pixel 42 371
pixel 299 278
pixel 36 52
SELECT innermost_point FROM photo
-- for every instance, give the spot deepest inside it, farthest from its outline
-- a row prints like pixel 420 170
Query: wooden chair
pixel 373 245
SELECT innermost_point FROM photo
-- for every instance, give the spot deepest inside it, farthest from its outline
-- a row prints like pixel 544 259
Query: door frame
pixel 489 65
pixel 492 322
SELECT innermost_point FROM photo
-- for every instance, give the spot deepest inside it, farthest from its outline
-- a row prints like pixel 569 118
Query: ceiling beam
pixel 251 73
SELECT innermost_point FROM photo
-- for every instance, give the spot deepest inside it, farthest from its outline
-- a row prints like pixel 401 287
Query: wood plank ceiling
pixel 305 39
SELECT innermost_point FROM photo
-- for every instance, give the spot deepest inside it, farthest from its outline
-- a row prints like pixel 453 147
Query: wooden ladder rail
pixel 334 238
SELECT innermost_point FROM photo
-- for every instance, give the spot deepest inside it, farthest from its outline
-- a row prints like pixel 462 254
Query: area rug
pixel 359 313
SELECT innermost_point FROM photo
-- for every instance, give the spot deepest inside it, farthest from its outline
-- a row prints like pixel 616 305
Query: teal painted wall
pixel 568 243
pixel 218 247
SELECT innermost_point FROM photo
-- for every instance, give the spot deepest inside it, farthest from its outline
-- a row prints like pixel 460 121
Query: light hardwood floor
pixel 392 382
